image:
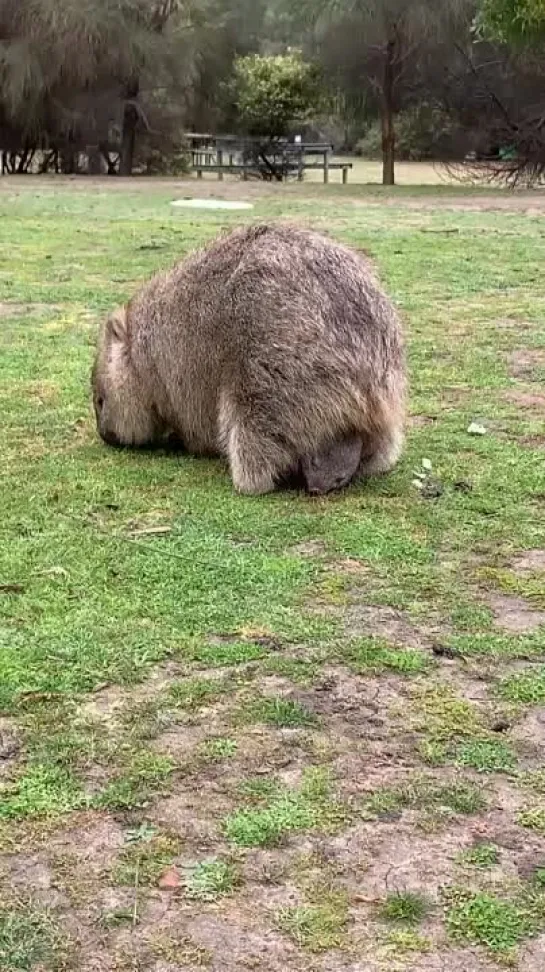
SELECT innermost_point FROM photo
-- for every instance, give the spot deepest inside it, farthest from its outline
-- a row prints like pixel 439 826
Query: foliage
pixel 272 92
pixel 421 131
pixel 513 21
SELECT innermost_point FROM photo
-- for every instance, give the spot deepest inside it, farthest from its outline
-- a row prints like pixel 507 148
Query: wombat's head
pixel 124 415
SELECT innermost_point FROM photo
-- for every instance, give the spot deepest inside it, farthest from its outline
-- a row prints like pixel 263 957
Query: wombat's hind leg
pixel 384 453
pixel 254 461
pixel 333 467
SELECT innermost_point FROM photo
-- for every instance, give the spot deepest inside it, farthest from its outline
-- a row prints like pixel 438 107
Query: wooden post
pixel 326 168
pixel 301 166
pixel 219 156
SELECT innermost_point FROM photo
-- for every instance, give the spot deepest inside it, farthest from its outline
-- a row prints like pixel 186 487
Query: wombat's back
pixel 280 322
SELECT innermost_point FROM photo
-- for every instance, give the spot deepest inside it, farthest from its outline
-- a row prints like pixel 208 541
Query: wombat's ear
pixel 117 324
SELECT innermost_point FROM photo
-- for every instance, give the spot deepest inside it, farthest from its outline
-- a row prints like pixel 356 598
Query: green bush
pixel 420 131
pixel 271 92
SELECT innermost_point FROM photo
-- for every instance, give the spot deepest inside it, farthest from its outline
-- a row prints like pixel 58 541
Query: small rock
pixel 476 429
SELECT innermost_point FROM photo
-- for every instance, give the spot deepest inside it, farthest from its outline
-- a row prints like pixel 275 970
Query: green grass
pixel 406 907
pixel 374 656
pixel 481 856
pixel 526 687
pixel 147 855
pixel 486 756
pixel 460 797
pixel 280 713
pixel 484 919
pixel 29 938
pixel 211 879
pixel 285 811
pixel 192 693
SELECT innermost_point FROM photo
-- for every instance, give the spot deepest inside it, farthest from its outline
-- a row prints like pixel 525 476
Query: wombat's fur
pixel 274 346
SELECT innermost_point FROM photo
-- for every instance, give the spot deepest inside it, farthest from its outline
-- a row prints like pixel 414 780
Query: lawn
pixel 274 733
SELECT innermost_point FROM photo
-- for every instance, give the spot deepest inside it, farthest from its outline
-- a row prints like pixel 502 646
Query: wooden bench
pixel 202 162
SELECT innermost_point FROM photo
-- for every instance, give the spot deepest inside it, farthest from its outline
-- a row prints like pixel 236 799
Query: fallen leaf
pixel 170 880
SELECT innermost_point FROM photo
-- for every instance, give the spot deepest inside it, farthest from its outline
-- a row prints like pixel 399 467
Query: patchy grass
pixel 460 797
pixel 321 923
pixel 406 941
pixel 211 879
pixel 526 687
pixel 481 856
pixel 533 818
pixel 406 907
pixel 30 938
pixel 145 857
pixel 484 919
pixel 279 712
pixel 186 673
pixel 284 812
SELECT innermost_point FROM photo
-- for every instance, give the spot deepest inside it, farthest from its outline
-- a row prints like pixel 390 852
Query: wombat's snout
pixel 108 436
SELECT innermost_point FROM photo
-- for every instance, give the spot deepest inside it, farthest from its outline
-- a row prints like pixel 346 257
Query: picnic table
pixel 277 159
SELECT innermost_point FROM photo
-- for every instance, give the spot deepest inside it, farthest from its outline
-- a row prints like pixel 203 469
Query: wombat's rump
pixel 275 347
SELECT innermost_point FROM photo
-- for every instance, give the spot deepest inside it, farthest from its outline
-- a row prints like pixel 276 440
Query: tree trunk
pixel 130 123
pixel 387 112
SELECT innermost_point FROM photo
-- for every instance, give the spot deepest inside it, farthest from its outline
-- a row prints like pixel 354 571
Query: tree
pixel 58 58
pixel 272 92
pixel 393 35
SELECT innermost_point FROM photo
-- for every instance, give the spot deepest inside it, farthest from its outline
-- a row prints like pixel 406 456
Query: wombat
pixel 273 346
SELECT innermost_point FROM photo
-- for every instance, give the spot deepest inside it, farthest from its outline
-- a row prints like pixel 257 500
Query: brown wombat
pixel 275 347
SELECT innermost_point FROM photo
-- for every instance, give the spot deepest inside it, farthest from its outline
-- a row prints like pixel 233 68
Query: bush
pixel 272 92
pixel 421 133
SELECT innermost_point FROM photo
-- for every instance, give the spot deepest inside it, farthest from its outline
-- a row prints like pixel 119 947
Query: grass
pixel 280 713
pixel 211 692
pixel 29 937
pixel 145 858
pixel 285 811
pixel 405 907
pixel 211 879
pixel 314 927
pixel 484 919
pixel 459 797
pixel 526 687
pixel 481 856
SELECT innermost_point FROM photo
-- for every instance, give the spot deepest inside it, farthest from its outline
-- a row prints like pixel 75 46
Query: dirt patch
pixel 524 363
pixel 365 620
pixel 237 942
pixel 526 400
pixel 458 960
pixel 530 734
pixel 10 746
pixel 309 548
pixel 18 310
pixel 533 441
pixel 532 957
pixel 514 614
pixel 422 421
pixel 531 562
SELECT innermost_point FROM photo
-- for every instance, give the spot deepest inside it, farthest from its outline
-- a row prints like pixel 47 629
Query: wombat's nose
pixel 109 438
